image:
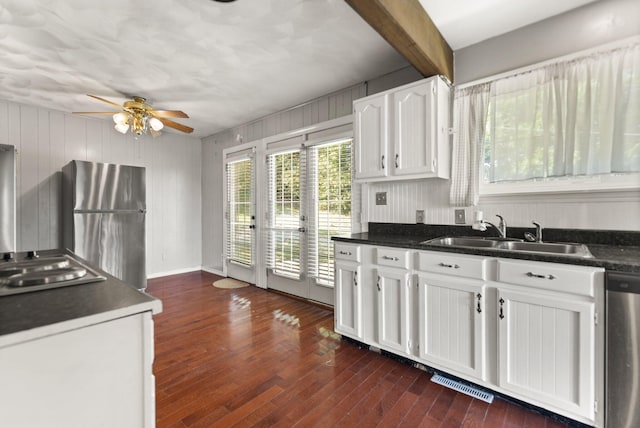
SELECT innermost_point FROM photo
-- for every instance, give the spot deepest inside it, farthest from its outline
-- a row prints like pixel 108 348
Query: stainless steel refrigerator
pixel 7 199
pixel 104 208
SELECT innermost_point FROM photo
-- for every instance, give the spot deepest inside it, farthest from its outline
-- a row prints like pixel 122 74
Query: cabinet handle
pixel 448 266
pixel 501 314
pixel 535 275
pixel 395 259
pixel 345 253
pixel 382 161
pixel 478 308
pixel 397 157
pixel 355 278
pixel 378 283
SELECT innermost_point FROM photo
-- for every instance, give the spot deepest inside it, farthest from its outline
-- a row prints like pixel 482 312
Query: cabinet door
pixel 348 299
pixel 452 323
pixel 546 349
pixel 371 121
pixel 415 136
pixel 393 310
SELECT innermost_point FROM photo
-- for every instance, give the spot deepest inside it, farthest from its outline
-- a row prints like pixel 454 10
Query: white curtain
pixel 469 122
pixel 577 117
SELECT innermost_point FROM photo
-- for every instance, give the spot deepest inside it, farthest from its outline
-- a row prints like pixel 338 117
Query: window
pixel 569 120
pixel 576 118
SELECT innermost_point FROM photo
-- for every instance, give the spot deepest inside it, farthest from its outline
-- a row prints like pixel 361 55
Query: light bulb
pixel 122 127
pixel 156 124
pixel 121 118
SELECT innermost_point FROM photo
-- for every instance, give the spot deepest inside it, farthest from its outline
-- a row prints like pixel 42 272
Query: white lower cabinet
pixel 549 341
pixel 394 311
pixel 348 299
pixel 452 323
pixel 546 349
pixel 525 329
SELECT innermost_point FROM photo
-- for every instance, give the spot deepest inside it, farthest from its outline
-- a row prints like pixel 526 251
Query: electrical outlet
pixel 420 216
pixel 460 216
pixel 381 198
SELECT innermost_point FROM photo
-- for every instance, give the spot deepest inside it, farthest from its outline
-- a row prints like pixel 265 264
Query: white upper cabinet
pixel 372 127
pixel 403 134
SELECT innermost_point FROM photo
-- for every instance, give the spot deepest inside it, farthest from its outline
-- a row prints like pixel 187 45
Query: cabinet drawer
pixel 551 276
pixel 392 257
pixel 347 251
pixel 455 264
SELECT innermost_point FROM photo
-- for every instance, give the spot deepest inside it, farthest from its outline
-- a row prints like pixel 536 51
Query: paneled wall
pixel 46 140
pixel 580 210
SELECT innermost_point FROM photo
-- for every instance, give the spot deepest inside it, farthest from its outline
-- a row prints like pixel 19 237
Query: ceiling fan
pixel 141 117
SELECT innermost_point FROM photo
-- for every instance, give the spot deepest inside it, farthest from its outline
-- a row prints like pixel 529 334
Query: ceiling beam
pixel 409 29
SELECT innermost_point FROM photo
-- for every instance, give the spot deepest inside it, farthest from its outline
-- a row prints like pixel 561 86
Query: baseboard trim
pixel 213 271
pixel 174 272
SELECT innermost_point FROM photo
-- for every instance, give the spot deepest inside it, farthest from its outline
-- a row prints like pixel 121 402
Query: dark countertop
pixel 612 250
pixel 37 314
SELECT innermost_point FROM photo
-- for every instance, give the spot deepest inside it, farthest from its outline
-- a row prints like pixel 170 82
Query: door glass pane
pixel 240 209
pixel 285 211
pixel 333 203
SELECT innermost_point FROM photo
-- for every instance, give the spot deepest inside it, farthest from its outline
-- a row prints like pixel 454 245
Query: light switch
pixel 381 198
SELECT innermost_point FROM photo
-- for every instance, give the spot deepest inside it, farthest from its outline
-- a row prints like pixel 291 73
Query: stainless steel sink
pixel 577 250
pixel 464 242
pixel 508 244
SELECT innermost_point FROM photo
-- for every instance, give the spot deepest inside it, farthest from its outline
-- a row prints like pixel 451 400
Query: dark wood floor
pixel 249 357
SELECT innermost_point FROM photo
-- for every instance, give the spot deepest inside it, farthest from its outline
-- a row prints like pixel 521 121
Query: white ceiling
pixel 222 63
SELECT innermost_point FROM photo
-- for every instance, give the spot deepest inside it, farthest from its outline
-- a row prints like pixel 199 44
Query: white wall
pixel 595 24
pixel 46 140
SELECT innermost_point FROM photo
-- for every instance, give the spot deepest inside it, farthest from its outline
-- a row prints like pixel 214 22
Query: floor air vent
pixel 460 387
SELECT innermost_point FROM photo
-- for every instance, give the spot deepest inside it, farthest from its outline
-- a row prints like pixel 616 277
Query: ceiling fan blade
pixel 108 102
pixel 168 113
pixel 176 125
pixel 94 112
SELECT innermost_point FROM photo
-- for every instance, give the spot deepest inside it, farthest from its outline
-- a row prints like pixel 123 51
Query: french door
pixel 240 216
pixel 309 199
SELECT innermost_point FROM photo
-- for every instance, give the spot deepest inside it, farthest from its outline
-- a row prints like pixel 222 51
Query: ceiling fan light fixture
pixel 121 118
pixel 122 127
pixel 156 124
pixel 140 118
pixel 154 133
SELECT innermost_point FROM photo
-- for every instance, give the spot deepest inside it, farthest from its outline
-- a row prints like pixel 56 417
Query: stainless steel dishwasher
pixel 622 350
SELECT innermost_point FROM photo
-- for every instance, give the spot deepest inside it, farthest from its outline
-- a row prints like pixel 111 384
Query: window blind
pixel 240 196
pixel 330 203
pixel 286 187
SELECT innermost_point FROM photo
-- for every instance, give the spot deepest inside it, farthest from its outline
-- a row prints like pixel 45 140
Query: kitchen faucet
pixel 538 236
pixel 481 225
